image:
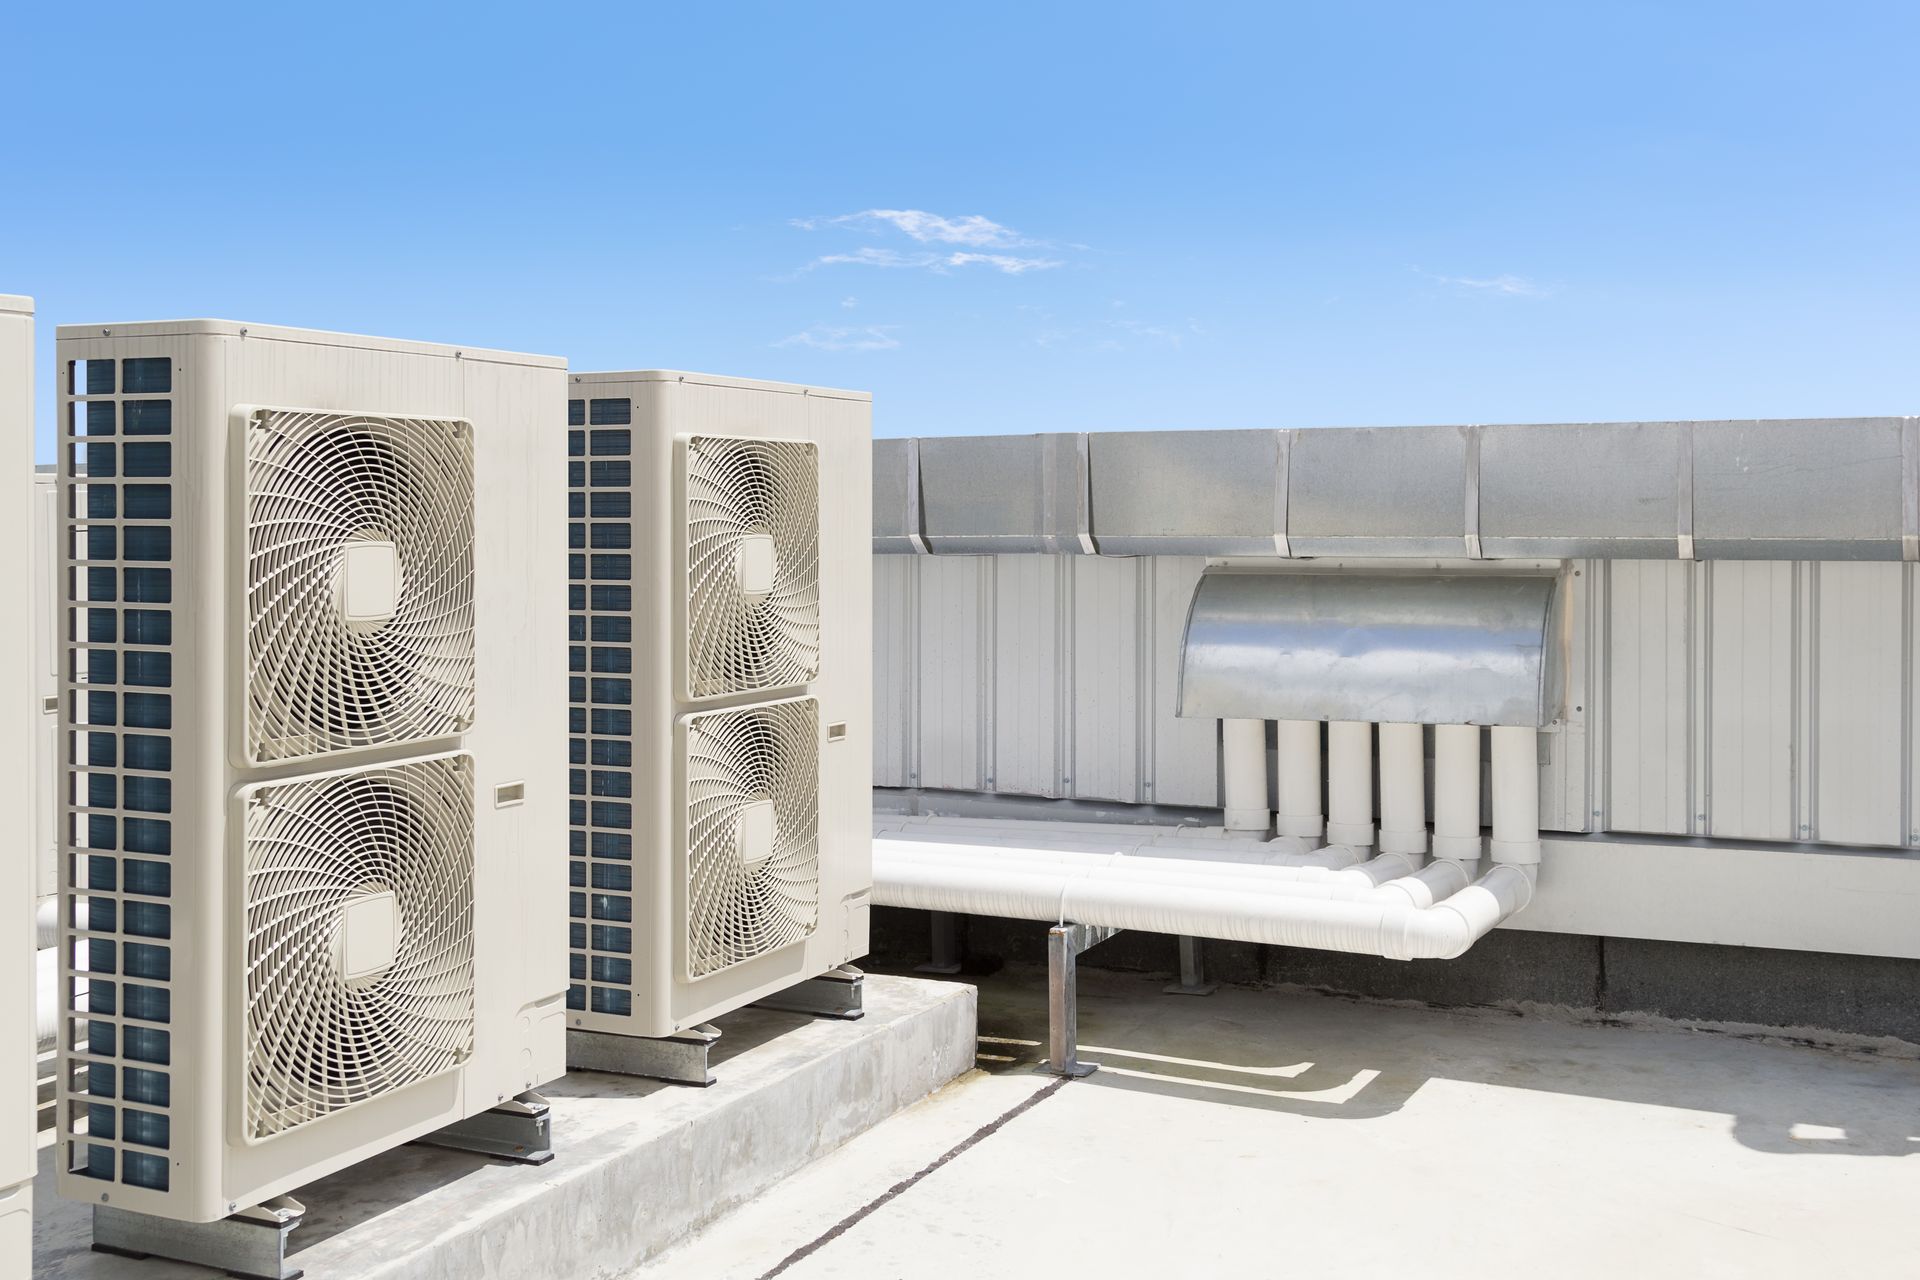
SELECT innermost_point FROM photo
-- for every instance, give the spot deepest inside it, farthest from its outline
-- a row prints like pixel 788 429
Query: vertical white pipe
pixel 1456 792
pixel 1403 789
pixel 1296 780
pixel 1243 774
pixel 1516 795
pixel 1350 783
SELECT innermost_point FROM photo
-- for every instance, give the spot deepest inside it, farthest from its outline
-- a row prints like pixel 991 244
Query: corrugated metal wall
pixel 1751 700
pixel 1037 675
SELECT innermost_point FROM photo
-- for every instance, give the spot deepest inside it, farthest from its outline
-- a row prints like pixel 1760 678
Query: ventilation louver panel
pixel 753 850
pixel 753 565
pixel 359 937
pixel 359 590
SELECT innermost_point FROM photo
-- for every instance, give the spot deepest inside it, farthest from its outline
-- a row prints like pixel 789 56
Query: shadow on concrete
pixel 1331 1056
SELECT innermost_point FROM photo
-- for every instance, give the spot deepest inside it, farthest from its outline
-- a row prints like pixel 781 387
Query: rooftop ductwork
pixel 1434 648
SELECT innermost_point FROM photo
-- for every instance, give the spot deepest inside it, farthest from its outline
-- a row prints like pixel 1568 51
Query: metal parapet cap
pixel 1436 648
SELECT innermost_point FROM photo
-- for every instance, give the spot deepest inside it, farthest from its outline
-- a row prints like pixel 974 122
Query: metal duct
pixel 1402 648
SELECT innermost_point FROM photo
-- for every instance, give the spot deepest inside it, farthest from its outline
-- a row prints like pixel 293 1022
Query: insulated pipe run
pixel 1456 793
pixel 1296 780
pixel 1516 795
pixel 1243 775
pixel 1403 789
pixel 1350 783
pixel 1389 871
pixel 1112 898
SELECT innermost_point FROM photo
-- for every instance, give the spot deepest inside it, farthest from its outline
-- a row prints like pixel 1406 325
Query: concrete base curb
pixel 639 1164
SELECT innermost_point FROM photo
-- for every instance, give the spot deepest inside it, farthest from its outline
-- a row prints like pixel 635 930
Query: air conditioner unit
pixel 720 620
pixel 312 782
pixel 18 726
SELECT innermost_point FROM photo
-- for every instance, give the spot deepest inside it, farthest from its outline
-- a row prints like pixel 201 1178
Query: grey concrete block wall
pixel 1788 990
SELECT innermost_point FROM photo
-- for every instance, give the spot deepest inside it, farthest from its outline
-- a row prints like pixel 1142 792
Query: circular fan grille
pixel 334 1020
pixel 321 487
pixel 753 565
pixel 753 849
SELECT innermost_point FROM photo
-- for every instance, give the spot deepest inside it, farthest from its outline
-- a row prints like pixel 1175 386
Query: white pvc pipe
pixel 1113 897
pixel 1173 865
pixel 1403 789
pixel 1350 783
pixel 1296 780
pixel 1265 853
pixel 1243 775
pixel 1456 792
pixel 1516 795
pixel 1394 884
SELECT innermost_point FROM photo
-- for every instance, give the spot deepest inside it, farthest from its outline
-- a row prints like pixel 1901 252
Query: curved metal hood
pixel 1393 648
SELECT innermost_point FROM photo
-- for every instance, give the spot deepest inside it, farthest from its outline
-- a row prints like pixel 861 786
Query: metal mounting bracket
pixel 680 1058
pixel 1193 973
pixel 1065 942
pixel 944 959
pixel 250 1243
pixel 837 993
pixel 519 1129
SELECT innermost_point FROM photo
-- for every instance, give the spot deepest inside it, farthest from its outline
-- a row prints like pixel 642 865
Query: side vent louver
pixel 117 891
pixel 359 587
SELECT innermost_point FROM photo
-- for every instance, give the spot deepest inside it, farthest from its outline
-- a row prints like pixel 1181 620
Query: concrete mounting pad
pixel 639 1164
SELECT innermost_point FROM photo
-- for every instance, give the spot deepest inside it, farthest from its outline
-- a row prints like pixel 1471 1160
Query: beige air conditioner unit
pixel 19 721
pixel 719 612
pixel 311 758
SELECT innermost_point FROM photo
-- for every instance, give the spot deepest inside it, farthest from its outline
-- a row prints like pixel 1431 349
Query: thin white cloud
pixel 970 230
pixel 1507 286
pixel 939 263
pixel 829 337
pixel 979 242
pixel 1002 262
pixel 849 302
pixel 873 257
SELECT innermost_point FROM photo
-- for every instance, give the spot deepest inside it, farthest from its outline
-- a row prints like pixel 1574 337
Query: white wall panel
pixel 955 703
pixel 1186 753
pixel 1029 727
pixel 1860 663
pixel 1107 627
pixel 1649 757
pixel 1750 687
pixel 895 668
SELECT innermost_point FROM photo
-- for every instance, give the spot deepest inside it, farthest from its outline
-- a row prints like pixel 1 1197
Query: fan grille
pixel 321 1037
pixel 753 565
pixel 321 486
pixel 753 876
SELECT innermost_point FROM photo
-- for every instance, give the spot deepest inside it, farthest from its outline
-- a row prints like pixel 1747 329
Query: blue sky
pixel 1016 218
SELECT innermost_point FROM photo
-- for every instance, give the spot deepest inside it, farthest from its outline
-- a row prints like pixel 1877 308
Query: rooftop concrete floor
pixel 1276 1132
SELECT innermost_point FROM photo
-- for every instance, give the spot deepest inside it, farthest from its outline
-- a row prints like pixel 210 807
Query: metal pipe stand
pixel 944 958
pixel 519 1129
pixel 680 1058
pixel 838 993
pixel 1065 942
pixel 250 1243
pixel 1193 973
